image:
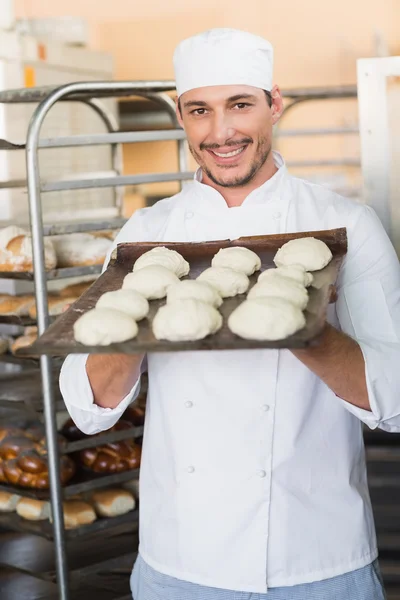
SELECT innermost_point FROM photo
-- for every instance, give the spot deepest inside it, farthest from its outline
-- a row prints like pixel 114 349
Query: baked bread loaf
pixel 114 457
pixel 71 432
pixel 80 249
pixel 8 502
pixel 112 502
pixel 16 250
pixel 76 289
pixel 10 432
pixel 13 445
pixel 3 478
pixel 56 305
pixel 134 415
pixel 33 510
pixel 24 341
pixel 77 513
pixel 30 470
pixel 16 305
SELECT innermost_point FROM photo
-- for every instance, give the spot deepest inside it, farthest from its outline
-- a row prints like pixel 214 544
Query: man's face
pixel 229 131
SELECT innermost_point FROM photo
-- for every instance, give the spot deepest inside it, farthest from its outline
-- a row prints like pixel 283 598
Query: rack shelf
pixel 54 274
pixel 45 529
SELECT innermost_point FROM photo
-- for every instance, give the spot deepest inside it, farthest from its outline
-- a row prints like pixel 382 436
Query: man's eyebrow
pixel 191 103
pixel 242 97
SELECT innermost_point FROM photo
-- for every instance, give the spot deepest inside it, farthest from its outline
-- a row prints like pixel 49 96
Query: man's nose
pixel 222 129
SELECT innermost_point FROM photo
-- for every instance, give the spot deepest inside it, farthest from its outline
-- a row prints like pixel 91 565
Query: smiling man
pixel 253 481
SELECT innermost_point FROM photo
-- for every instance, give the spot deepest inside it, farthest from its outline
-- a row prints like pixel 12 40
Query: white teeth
pixel 228 154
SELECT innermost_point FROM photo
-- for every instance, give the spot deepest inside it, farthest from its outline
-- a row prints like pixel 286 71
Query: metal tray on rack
pixel 59 339
pixel 83 481
pixel 54 273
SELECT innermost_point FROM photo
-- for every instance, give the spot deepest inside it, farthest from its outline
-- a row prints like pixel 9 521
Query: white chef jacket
pixel 253 470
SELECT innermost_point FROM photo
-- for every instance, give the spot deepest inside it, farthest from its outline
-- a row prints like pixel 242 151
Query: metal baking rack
pixel 46 98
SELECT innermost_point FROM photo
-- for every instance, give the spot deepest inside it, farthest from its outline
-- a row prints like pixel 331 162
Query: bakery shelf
pixel 26 385
pixel 103 438
pixel 83 481
pixel 45 529
pixel 63 228
pixel 16 320
pixel 54 273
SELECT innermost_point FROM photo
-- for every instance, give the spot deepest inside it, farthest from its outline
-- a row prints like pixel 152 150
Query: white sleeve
pixel 74 382
pixel 368 309
pixel 78 397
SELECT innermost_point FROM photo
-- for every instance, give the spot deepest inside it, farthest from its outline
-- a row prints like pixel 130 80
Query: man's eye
pixel 199 111
pixel 241 105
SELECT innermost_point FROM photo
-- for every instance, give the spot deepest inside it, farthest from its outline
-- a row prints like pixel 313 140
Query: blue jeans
pixel 362 584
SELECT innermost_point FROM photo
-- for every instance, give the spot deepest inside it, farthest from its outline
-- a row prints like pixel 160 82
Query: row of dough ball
pixel 274 306
pixel 191 309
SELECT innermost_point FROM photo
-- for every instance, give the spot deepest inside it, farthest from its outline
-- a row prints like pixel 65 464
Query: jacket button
pixel 190 469
pixel 189 214
pixel 188 404
pixel 262 473
pixel 265 407
pixel 277 215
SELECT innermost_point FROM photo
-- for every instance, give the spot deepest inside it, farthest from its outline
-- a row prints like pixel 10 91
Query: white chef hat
pixel 223 57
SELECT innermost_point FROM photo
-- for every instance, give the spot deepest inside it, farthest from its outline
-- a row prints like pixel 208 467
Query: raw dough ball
pixel 226 281
pixel 104 326
pixel 237 258
pixel 186 320
pixel 310 253
pixel 170 259
pixel 281 287
pixel 152 281
pixel 127 301
pixel 266 319
pixel 191 288
pixel 295 272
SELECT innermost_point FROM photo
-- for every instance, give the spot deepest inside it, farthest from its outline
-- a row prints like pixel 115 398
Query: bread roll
pixel 30 470
pixel 24 341
pixel 8 502
pixel 111 503
pixel 77 513
pixel 80 249
pixel 56 305
pixel 76 289
pixel 16 251
pixel 16 305
pixel 12 446
pixel 10 432
pixel 33 510
pixel 114 457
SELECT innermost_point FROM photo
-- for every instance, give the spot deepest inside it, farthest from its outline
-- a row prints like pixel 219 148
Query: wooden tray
pixel 59 339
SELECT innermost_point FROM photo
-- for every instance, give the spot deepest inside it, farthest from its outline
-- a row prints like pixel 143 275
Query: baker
pixel 253 481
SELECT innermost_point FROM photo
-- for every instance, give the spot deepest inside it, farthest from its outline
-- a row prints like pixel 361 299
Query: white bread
pixel 80 249
pixel 23 342
pixel 33 510
pixel 55 304
pixel 16 251
pixel 8 502
pixel 16 305
pixel 76 289
pixel 77 513
pixel 112 502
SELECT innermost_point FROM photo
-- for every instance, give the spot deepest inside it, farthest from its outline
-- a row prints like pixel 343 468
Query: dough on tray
pixel 152 281
pixel 294 272
pixel 266 319
pixel 310 253
pixel 160 255
pixel 186 320
pixel 237 258
pixel 191 288
pixel 226 281
pixel 104 326
pixel 126 301
pixel 281 287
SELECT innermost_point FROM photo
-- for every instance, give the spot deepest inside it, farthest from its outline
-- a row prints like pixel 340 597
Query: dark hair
pixel 268 95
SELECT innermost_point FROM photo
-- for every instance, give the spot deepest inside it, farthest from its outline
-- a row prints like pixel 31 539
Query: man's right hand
pixel 112 376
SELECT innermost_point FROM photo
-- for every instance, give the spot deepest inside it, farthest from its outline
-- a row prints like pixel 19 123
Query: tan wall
pixel 316 44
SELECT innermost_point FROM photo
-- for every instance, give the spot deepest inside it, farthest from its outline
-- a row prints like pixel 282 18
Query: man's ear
pixel 277 104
